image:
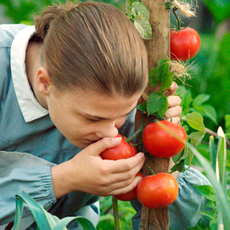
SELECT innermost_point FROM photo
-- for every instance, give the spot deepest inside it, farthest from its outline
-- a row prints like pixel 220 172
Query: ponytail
pixel 51 13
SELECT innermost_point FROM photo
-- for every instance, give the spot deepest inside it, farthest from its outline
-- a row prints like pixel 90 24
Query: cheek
pixel 120 122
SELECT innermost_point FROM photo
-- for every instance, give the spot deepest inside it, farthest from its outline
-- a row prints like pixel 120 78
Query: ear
pixel 43 81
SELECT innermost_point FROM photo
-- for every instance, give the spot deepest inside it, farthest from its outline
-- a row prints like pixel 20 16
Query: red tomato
pixel 184 44
pixel 122 151
pixel 160 143
pixel 132 195
pixel 157 191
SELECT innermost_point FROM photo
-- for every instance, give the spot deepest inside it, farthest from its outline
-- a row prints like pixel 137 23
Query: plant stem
pixel 152 172
pixel 177 18
pixel 140 130
pixel 115 213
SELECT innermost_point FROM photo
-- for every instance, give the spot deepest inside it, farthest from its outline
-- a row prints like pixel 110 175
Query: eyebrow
pixel 104 118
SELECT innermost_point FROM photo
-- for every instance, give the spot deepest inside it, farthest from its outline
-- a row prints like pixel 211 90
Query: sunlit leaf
pixel 195 120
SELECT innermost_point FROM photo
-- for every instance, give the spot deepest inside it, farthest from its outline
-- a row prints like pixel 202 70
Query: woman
pixel 68 86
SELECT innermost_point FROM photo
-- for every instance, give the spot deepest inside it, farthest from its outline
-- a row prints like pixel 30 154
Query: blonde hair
pixel 93 46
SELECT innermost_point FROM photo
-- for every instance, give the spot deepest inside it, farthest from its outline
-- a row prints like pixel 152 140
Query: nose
pixel 107 130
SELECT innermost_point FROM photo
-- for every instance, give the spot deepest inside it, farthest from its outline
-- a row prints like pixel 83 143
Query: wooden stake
pixel 158 47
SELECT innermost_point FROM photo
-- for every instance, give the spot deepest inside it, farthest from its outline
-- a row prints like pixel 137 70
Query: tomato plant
pixel 184 44
pixel 160 142
pixel 157 191
pixel 122 151
pixel 132 195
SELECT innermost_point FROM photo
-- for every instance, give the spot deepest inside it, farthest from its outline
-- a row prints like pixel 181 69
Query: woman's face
pixel 85 117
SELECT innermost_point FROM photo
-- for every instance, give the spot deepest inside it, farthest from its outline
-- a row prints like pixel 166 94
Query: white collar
pixel 29 105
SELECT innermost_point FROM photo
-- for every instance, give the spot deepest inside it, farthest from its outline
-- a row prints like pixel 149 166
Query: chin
pixel 80 144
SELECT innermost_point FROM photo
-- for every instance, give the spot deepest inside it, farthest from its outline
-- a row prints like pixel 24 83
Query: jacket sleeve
pixel 184 212
pixel 23 171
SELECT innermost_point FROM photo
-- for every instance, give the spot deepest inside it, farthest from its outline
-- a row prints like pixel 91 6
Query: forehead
pixel 100 105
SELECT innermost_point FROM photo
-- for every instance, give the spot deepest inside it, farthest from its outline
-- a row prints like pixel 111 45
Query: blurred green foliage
pixel 220 9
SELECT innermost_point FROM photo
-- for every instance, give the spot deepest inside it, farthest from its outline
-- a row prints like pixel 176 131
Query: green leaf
pixel 155 103
pixel 160 113
pixel 195 120
pixel 210 215
pixel 141 10
pixel 53 220
pixel 220 192
pixel 186 100
pixel 200 99
pixel 161 75
pixel 85 223
pixel 180 167
pixel 36 210
pixel 154 77
pixel 196 138
pixel 141 20
pixel 143 27
pixel 210 112
pixel 213 224
pixel 212 152
pixel 220 9
pixel 142 107
pixel 206 191
pixel 221 156
pixel 167 77
pixel 227 123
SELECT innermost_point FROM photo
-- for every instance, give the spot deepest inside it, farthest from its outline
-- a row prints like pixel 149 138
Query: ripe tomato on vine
pixel 157 191
pixel 122 151
pixel 184 44
pixel 163 143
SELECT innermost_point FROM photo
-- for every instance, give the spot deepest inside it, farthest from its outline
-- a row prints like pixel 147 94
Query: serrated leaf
pixel 154 77
pixel 155 102
pixel 166 81
pixel 160 113
pixel 200 99
pixel 141 10
pixel 143 26
pixel 195 120
pixel 165 74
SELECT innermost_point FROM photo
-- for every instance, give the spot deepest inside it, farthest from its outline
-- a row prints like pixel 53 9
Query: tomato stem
pixel 115 213
pixel 177 18
pixel 140 130
pixel 152 172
